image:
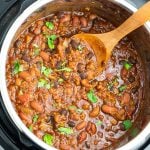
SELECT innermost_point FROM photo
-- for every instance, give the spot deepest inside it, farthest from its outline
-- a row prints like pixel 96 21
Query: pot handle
pixel 5 5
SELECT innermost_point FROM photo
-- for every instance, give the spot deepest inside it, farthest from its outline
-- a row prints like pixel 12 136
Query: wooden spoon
pixel 103 44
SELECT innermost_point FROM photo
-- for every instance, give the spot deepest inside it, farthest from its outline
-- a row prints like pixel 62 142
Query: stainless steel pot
pixel 115 11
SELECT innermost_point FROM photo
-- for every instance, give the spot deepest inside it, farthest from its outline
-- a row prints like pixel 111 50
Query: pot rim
pixel 142 136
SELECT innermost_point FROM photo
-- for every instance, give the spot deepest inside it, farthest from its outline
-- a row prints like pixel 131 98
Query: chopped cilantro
pixel 17 67
pixel 127 65
pixel 46 71
pixel 122 88
pixel 127 124
pixel 65 130
pixel 98 123
pixel 48 139
pixel 50 40
pixel 50 25
pixel 91 96
pixel 66 69
pixel 44 83
pixel 80 48
pixel 30 128
pixel 35 118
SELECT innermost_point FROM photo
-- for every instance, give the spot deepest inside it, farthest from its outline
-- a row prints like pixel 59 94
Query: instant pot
pixel 16 15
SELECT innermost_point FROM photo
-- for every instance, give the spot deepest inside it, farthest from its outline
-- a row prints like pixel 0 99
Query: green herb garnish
pixel 80 48
pixel 35 118
pixel 17 67
pixel 46 71
pixel 127 124
pixel 30 128
pixel 127 65
pixel 50 25
pixel 44 83
pixel 79 110
pixel 98 123
pixel 50 40
pixel 91 96
pixel 122 88
pixel 65 130
pixel 66 69
pixel 48 139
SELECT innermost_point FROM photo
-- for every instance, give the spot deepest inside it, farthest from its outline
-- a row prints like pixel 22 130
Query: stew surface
pixel 52 84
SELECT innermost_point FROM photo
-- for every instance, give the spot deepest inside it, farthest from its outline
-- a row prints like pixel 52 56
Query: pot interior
pixel 116 14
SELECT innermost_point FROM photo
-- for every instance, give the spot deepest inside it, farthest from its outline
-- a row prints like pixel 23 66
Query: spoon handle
pixel 133 22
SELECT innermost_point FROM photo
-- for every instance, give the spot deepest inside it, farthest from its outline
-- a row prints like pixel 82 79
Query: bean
pixel 81 137
pixel 26 58
pixel 124 72
pixel 92 16
pixel 135 89
pixel 100 134
pixel 65 18
pixel 85 83
pixel 86 106
pixel 131 79
pixel 83 75
pixel 87 144
pixel 81 125
pixel 132 60
pixel 91 128
pixel 80 67
pixel 83 22
pixel 122 127
pixel 71 123
pixel 25 75
pixel 76 21
pixel 95 112
pixel 44 55
pixel 24 98
pixel 125 99
pixel 37 106
pixel 74 44
pixel 63 112
pixel 24 117
pixel 89 55
pixel 18 44
pixel 63 146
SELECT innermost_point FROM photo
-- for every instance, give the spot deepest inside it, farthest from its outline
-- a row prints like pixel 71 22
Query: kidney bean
pixel 74 44
pixel 89 55
pixel 71 123
pixel 24 117
pixel 76 21
pixel 83 22
pixel 25 75
pixel 95 112
pixel 64 146
pixel 91 128
pixel 131 79
pixel 81 137
pixel 65 18
pixel 26 58
pixel 44 55
pixel 85 83
pixel 37 106
pixel 83 75
pixel 113 111
pixel 81 125
pixel 87 144
pixel 92 16
pixel 134 89
pixel 124 73
pixel 86 106
pixel 63 112
pixel 24 98
pixel 132 60
pixel 122 127
pixel 18 44
pixel 80 67
pixel 125 99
